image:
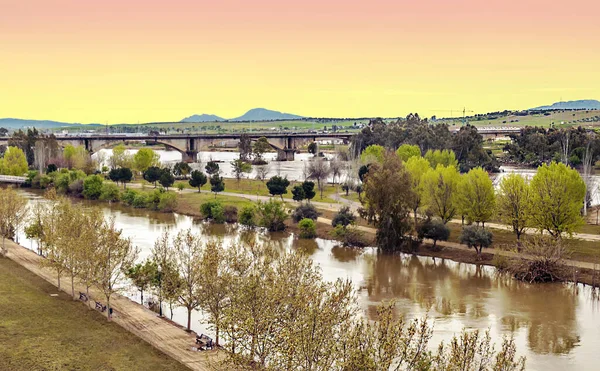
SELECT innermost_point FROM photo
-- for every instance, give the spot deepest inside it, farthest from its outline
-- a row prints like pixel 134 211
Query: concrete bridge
pixel 492 132
pixel 189 145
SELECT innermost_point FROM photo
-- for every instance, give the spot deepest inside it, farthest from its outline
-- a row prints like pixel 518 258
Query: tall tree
pixel 319 171
pixel 152 174
pixel 240 167
pixel 261 146
pixel 13 209
pixel 245 147
pixel 197 179
pixel 188 250
pixel 557 195
pixel 476 196
pixel 388 201
pixel 440 192
pixel 217 184
pixel 211 168
pixel 416 167
pixel 216 284
pixel 513 201
pixel 407 151
pixel 144 158
pixel 14 162
pixel 115 254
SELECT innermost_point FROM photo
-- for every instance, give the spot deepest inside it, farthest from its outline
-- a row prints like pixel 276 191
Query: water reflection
pixel 556 326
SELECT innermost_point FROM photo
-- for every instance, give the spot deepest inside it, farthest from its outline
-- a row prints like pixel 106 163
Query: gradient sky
pixel 128 60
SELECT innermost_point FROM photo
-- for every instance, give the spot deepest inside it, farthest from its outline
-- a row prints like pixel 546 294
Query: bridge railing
pixel 12 179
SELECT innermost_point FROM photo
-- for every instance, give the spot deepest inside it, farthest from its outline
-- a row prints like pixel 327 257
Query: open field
pixel 40 332
pixel 559 118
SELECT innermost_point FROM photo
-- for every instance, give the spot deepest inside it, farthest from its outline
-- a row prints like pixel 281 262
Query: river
pixel 557 326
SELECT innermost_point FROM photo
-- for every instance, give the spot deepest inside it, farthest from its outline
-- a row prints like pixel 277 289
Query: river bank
pixel 133 317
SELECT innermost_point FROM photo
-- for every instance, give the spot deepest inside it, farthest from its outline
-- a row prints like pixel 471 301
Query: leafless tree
pixel 262 171
pixel 319 170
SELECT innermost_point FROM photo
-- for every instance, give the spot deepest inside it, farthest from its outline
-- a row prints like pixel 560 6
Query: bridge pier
pixel 285 154
pixel 189 156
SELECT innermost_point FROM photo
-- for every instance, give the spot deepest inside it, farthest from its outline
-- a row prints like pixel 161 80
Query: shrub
pixel 61 182
pixel 344 217
pixel 271 215
pixel 434 230
pixel 128 196
pixel 349 236
pixel 304 212
pixel 168 202
pixel 476 237
pixel 217 213
pixel 45 181
pixel 154 198
pixel 109 192
pixel 140 200
pixel 308 229
pixel 231 214
pixel 546 262
pixel 92 187
pixel 51 168
pixel 76 188
pixel 180 186
pixel 206 208
pixel 246 216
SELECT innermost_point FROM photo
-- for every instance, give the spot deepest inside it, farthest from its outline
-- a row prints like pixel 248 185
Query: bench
pixel 83 296
pixel 100 306
pixel 204 341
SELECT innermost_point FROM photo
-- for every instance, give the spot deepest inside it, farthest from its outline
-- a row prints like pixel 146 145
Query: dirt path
pixel 457 246
pixel 140 321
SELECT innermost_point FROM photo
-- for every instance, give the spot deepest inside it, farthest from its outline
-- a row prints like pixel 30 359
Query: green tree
pixel 14 162
pixel 440 187
pixel 344 217
pixel 92 187
pixel 308 228
pixel 476 237
pixel 416 167
pixel 312 148
pixel 152 174
pixel 182 169
pixel 557 194
pixel 476 196
pixel 513 201
pixel 240 167
pixel 387 202
pixel 120 157
pixel 434 230
pixel 166 178
pixel 407 151
pixel 298 193
pixel 261 146
pixel 144 158
pixel 373 153
pixel 245 147
pixel 197 179
pixel 309 190
pixel 271 215
pixel 444 157
pixel 123 175
pixel 278 186
pixel 142 276
pixel 216 184
pixel 211 168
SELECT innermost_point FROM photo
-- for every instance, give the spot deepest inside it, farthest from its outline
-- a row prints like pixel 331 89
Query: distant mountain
pixel 262 114
pixel 202 118
pixel 590 104
pixel 10 123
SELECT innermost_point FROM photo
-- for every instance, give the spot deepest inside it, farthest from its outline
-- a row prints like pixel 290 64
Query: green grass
pixel 569 118
pixel 40 332
pixel 189 203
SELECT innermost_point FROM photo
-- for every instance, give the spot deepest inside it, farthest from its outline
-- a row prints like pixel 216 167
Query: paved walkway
pixel 163 335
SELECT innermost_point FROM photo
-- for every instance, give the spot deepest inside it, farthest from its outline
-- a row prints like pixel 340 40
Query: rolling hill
pixel 263 114
pixel 203 118
pixel 589 104
pixel 11 123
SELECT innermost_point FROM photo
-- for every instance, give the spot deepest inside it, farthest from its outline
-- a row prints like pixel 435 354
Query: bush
pixel 140 200
pixel 271 215
pixel 246 216
pixel 434 230
pixel 231 214
pixel 349 236
pixel 61 182
pixel 128 196
pixel 92 187
pixel 206 208
pixel 45 181
pixel 109 192
pixel 168 202
pixel 154 198
pixel 307 211
pixel 476 237
pixel 217 213
pixel 308 229
pixel 76 188
pixel 344 217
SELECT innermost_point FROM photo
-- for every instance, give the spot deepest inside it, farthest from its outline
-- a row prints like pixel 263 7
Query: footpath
pixel 142 322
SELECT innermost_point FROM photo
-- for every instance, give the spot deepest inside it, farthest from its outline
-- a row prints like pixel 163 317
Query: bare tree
pixel 262 171
pixel 587 174
pixel 188 258
pixel 564 145
pixel 336 167
pixel 319 170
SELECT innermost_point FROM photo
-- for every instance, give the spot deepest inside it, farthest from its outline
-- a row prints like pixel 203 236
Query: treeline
pixel 405 193
pixel 467 144
pixel 534 146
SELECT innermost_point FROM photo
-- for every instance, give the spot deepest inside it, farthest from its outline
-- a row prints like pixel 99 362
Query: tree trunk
pixel 189 323
pixel 73 286
pixel 108 315
pixel 217 335
pixel 171 309
pixel 142 297
pixel 58 281
pixel 87 294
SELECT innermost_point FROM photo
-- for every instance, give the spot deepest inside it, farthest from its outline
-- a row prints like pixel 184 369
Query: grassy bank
pixel 41 332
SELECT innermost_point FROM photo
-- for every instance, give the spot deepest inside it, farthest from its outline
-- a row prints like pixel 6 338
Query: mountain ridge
pixel 590 104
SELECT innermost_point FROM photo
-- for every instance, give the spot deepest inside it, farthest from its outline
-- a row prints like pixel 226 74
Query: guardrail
pixel 12 179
